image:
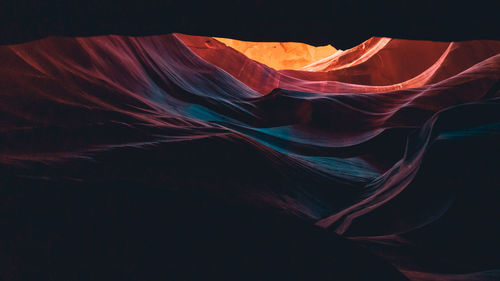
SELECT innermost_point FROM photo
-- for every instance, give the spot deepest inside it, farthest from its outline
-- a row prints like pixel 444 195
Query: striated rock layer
pixel 390 148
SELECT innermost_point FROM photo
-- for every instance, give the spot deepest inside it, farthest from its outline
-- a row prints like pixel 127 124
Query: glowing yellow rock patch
pixel 278 55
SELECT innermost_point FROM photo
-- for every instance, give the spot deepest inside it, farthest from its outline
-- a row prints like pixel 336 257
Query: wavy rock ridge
pixel 391 144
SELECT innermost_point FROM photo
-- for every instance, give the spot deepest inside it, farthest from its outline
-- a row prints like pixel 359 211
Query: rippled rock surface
pixel 177 156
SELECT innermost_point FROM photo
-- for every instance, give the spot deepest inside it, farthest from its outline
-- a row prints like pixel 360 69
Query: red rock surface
pixel 392 144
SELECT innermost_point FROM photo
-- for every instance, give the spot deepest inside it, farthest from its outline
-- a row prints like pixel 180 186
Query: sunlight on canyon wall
pixel 280 55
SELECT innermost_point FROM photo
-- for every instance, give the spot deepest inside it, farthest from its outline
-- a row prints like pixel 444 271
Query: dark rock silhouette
pixel 176 157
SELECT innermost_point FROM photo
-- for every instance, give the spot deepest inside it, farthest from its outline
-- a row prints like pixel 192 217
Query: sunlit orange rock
pixel 280 55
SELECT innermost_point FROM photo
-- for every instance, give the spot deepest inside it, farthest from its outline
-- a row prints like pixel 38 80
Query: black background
pixel 341 23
